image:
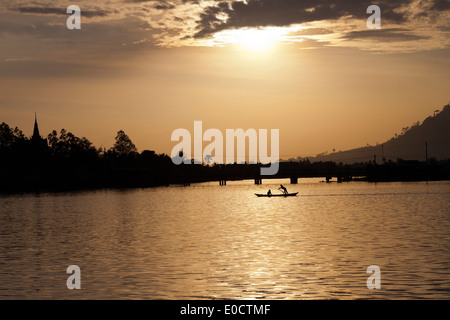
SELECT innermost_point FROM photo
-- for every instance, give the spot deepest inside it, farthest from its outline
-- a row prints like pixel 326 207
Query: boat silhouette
pixel 276 195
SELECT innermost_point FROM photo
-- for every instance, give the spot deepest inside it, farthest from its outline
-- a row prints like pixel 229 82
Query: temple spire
pixel 36 134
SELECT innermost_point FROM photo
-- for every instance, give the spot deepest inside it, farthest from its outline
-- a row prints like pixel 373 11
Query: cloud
pixel 164 6
pixel 61 11
pixel 176 23
pixel 407 25
pixel 17 59
pixel 280 13
pixel 441 5
pixel 386 35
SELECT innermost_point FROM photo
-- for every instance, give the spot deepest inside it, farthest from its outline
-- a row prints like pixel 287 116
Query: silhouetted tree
pixel 9 137
pixel 123 144
pixel 52 140
pixel 68 145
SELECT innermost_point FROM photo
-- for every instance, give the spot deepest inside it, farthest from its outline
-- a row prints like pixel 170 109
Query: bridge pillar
pixel 294 180
pixel 222 182
pixel 258 181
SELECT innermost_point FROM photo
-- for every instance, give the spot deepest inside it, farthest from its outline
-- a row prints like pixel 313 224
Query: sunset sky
pixel 309 68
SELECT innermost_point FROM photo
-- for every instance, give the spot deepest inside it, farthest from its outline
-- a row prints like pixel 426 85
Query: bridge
pixel 293 179
pixel 287 170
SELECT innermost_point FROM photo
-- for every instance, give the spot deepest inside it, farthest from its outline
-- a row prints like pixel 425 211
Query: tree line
pixel 67 162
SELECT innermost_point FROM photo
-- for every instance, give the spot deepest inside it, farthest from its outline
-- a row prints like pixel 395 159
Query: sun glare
pixel 252 39
pixel 257 40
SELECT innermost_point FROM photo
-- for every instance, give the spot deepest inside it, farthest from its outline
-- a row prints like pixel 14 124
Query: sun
pixel 262 39
pixel 256 39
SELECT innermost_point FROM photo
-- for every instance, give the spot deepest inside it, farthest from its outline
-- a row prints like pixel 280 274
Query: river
pixel 208 241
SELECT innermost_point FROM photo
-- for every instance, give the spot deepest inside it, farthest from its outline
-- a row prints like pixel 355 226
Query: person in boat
pixel 269 193
pixel 283 188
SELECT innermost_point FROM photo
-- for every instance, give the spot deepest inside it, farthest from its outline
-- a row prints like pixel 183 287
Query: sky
pixel 312 69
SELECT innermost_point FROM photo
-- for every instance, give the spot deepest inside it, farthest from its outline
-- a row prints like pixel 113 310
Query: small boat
pixel 276 195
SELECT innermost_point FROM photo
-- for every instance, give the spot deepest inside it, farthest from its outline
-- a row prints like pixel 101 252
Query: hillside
pixel 410 145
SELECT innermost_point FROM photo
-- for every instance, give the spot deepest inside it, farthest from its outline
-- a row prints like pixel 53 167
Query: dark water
pixel 212 242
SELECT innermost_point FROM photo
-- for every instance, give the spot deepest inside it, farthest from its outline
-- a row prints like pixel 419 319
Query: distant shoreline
pixel 28 191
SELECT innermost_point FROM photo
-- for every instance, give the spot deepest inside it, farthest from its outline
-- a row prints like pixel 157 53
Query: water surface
pixel 212 242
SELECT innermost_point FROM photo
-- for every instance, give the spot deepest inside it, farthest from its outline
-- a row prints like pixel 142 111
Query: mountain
pixel 431 139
